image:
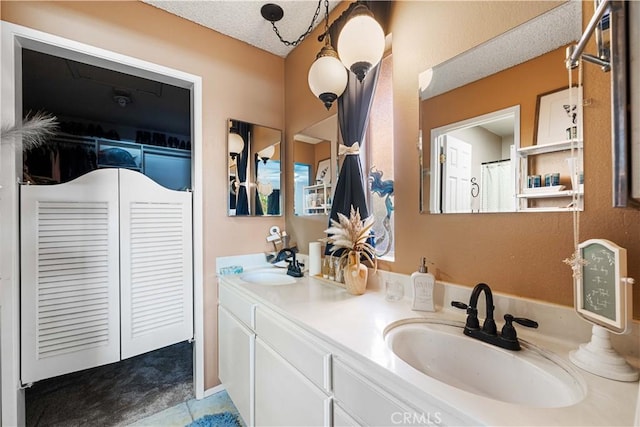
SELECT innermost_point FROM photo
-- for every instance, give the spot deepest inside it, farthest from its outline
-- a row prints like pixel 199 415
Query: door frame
pixel 14 38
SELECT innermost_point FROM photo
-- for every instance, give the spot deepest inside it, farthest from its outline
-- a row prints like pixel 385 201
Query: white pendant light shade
pixel 267 153
pixel 361 42
pixel 327 76
pixel 236 144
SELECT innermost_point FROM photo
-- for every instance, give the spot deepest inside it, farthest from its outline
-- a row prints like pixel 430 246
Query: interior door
pixel 69 275
pixel 155 265
pixel 456 179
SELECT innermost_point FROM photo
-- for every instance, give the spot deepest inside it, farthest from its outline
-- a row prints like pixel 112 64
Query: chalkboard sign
pixel 602 291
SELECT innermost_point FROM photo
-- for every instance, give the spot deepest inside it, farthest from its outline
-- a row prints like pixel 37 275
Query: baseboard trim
pixel 208 392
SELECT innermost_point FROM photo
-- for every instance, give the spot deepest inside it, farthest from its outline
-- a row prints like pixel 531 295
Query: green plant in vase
pixel 351 235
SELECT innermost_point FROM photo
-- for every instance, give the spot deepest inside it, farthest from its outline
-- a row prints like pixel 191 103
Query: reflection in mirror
pixel 485 80
pixel 254 169
pixel 472 164
pixel 315 167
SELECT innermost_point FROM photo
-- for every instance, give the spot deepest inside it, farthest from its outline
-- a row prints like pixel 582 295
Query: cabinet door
pixel 301 351
pixel 155 265
pixel 69 276
pixel 235 362
pixel 285 397
pixel 365 401
pixel 341 418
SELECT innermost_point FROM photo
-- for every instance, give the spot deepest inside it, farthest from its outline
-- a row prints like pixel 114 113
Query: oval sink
pixel 530 377
pixel 268 276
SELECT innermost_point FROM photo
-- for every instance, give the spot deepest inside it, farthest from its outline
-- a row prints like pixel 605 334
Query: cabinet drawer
pixel 296 346
pixel 364 400
pixel 236 304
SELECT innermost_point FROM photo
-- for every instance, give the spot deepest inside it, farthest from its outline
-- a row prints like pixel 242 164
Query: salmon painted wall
pixel 239 81
pixel 519 254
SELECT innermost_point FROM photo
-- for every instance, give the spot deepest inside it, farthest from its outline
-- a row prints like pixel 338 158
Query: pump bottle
pixel 423 283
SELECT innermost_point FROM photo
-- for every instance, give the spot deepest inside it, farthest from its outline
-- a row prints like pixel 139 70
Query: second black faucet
pixel 488 333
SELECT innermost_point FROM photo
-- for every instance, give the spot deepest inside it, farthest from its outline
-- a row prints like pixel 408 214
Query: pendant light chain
pixel 306 33
pixel 326 24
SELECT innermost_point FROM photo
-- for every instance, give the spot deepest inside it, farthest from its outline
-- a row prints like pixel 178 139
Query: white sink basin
pixel 268 276
pixel 530 377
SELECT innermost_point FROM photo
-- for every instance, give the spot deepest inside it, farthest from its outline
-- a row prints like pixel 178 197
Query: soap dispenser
pixel 423 284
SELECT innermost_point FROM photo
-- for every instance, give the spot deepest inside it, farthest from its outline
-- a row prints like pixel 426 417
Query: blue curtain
pixel 353 117
pixel 243 129
pixel 273 203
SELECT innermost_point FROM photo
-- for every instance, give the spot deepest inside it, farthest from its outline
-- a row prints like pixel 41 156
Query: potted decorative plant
pixel 350 235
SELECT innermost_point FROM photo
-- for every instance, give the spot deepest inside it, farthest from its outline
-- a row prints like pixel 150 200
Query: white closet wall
pixel 106 271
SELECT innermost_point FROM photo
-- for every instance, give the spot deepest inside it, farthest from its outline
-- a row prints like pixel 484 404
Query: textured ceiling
pixel 242 19
pixel 558 27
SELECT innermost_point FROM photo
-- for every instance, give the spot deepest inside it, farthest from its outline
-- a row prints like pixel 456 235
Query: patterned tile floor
pixel 186 412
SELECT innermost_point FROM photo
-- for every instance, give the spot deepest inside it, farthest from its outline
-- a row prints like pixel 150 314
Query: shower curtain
pixel 496 187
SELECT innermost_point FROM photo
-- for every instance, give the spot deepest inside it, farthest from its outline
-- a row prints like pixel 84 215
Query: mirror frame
pixel 633 22
pixel 624 133
pixel 251 179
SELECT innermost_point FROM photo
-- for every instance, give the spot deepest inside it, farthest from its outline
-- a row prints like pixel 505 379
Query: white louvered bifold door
pixel 156 265
pixel 70 276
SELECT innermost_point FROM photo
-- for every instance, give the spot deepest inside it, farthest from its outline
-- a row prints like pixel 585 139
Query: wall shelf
pixel 549 148
pixel 317 199
pixel 533 200
pixel 169 167
pixel 547 194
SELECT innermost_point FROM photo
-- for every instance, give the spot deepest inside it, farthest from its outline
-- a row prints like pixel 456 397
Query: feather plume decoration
pixel 35 130
pixel 351 233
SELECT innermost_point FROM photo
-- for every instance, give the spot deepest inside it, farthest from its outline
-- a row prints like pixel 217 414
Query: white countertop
pixel 356 324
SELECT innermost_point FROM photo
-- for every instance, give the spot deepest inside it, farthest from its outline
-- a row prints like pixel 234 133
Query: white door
pixel 156 276
pixel 69 275
pixel 106 271
pixel 456 175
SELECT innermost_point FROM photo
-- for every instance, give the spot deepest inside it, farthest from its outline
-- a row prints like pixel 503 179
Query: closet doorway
pixel 122 138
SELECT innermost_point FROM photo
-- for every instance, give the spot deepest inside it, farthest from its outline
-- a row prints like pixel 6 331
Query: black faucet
pixel 507 338
pixel 289 254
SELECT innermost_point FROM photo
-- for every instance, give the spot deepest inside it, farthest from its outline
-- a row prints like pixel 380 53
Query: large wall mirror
pixel 315 167
pixel 254 169
pixel 479 118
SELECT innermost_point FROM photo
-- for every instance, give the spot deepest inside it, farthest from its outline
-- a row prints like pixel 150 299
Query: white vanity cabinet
pixel 283 374
pixel 293 375
pixel 236 350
